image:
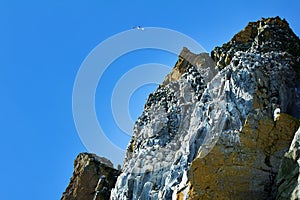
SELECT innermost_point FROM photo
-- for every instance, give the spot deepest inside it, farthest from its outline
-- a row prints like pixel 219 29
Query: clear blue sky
pixel 42 45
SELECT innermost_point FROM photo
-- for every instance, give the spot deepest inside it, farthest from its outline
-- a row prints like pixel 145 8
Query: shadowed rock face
pixel 92 179
pixel 208 133
pixel 287 181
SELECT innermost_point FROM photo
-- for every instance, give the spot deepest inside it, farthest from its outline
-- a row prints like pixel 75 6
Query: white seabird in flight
pixel 139 28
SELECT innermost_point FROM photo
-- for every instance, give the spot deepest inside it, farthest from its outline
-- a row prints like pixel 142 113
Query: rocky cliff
pixel 208 132
pixel 93 178
pixel 288 179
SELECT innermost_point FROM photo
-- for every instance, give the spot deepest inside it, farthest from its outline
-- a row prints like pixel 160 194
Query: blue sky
pixel 42 45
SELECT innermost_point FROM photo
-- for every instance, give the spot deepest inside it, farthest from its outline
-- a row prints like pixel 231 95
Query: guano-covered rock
pixel 208 132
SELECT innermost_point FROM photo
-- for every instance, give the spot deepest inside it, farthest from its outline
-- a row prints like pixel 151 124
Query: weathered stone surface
pixel 245 161
pixel 209 135
pixel 186 60
pixel 92 179
pixel 262 36
pixel 288 179
pixel 246 169
pixel 156 160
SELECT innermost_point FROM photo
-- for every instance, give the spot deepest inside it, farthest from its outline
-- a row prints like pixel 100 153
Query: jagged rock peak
pixel 99 159
pixel 93 178
pixel 186 60
pixel 265 35
pixel 194 59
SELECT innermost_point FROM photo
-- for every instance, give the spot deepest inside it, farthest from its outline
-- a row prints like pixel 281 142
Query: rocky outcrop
pixel 93 178
pixel 288 179
pixel 209 133
pixel 265 35
pixel 245 160
pixel 186 60
pixel 244 168
pixel 159 151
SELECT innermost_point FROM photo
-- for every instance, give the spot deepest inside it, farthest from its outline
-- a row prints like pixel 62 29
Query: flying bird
pixel 138 28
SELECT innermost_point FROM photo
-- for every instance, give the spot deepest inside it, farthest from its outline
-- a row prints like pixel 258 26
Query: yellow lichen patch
pixel 243 171
pixel 219 175
pixel 180 196
pixel 267 135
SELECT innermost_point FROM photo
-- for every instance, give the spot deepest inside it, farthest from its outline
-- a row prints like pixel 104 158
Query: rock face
pixel 209 133
pixel 288 179
pixel 162 145
pixel 93 178
pixel 188 59
pixel 265 35
pixel 245 168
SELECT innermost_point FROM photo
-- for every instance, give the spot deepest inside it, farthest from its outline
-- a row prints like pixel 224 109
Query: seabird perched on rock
pixel 276 113
pixel 227 86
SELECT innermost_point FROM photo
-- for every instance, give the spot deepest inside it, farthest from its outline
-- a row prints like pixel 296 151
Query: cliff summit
pixel 208 131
